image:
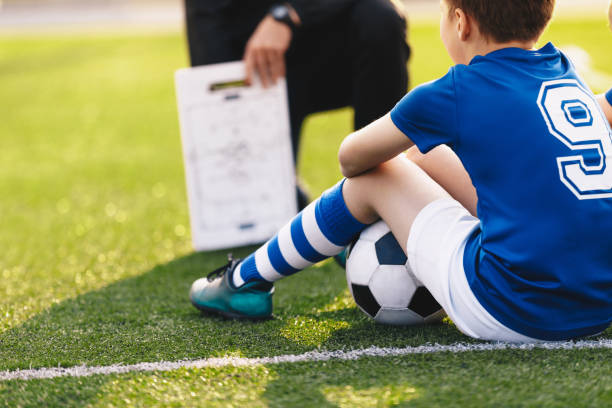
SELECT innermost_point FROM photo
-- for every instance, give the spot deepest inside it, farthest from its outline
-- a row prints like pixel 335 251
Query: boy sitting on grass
pixel 504 206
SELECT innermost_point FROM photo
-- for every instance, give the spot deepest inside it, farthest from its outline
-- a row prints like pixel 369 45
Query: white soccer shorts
pixel 435 252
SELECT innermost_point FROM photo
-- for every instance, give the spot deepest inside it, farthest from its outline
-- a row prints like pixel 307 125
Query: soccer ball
pixel 382 282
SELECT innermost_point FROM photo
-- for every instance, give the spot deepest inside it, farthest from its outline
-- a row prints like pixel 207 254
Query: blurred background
pixel 37 14
pixel 165 14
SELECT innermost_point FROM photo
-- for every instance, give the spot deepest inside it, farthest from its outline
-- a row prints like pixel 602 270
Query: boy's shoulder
pixel 510 73
pixel 467 96
pixel 506 64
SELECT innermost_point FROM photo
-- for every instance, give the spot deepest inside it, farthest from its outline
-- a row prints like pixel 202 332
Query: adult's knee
pixel 377 23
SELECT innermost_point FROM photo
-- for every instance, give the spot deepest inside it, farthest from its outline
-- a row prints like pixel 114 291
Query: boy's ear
pixel 464 25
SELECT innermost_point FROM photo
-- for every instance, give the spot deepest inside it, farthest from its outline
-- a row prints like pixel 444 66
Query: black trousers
pixel 357 58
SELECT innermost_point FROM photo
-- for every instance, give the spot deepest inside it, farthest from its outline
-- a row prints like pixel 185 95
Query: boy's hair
pixel 507 20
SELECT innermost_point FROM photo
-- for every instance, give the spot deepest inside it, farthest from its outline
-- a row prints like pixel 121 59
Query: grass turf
pixel 508 379
pixel 97 258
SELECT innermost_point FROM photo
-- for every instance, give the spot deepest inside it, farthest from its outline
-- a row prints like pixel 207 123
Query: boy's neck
pixel 486 47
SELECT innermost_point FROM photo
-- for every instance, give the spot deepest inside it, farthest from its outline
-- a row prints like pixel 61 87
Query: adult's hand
pixel 264 55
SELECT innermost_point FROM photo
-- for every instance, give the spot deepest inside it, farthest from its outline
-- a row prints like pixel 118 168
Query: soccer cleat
pixel 217 294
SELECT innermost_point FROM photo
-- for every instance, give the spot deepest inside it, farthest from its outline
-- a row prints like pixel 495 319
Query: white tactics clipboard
pixel 238 157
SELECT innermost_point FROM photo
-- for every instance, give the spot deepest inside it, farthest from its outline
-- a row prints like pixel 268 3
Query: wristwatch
pixel 281 13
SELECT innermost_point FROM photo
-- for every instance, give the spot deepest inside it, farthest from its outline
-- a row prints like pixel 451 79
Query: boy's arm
pixel 427 115
pixel 370 146
pixel 606 105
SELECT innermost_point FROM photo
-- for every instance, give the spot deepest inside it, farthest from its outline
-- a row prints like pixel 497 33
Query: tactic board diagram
pixel 237 154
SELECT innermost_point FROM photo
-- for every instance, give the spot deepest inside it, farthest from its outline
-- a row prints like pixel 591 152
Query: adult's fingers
pixel 267 64
pixel 249 65
pixel 262 67
pixel 276 60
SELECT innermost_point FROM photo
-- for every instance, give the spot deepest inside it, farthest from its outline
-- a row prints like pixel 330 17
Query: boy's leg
pixel 395 191
pixel 432 228
pixel 244 289
pixel 399 189
pixel 445 168
pixel 321 230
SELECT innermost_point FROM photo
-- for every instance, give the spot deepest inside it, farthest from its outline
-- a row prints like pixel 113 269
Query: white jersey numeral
pixel 574 117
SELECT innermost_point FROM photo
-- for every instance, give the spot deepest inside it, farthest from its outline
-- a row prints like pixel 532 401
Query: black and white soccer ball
pixel 382 282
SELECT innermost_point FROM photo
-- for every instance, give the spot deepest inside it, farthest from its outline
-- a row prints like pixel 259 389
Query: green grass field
pixel 97 260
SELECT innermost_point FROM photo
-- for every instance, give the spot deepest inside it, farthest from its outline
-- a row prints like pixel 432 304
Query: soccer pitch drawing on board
pixel 237 155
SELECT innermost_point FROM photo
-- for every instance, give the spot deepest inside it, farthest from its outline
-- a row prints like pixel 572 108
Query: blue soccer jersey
pixel 539 151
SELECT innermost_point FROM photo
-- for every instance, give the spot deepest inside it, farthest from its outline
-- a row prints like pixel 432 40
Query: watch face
pixel 280 12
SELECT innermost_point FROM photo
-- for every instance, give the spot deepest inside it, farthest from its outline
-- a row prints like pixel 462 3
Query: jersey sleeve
pixel 428 114
pixel 609 97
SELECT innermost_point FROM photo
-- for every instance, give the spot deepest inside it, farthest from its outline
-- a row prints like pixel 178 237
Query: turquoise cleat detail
pixel 341 259
pixel 217 294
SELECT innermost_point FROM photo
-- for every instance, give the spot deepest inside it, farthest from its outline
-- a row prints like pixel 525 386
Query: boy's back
pixel 536 146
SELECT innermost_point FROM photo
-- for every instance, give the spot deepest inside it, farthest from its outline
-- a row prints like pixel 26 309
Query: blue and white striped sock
pixel 321 230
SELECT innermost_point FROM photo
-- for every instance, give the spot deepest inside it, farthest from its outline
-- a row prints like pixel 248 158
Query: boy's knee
pixel 378 22
pixel 414 155
pixel 385 172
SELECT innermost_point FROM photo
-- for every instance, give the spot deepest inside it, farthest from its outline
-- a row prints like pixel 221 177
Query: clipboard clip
pixel 229 86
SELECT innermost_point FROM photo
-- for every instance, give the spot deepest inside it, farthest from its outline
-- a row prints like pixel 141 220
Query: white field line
pixel 312 356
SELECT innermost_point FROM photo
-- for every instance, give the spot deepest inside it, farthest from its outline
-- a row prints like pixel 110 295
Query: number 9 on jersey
pixel 574 117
